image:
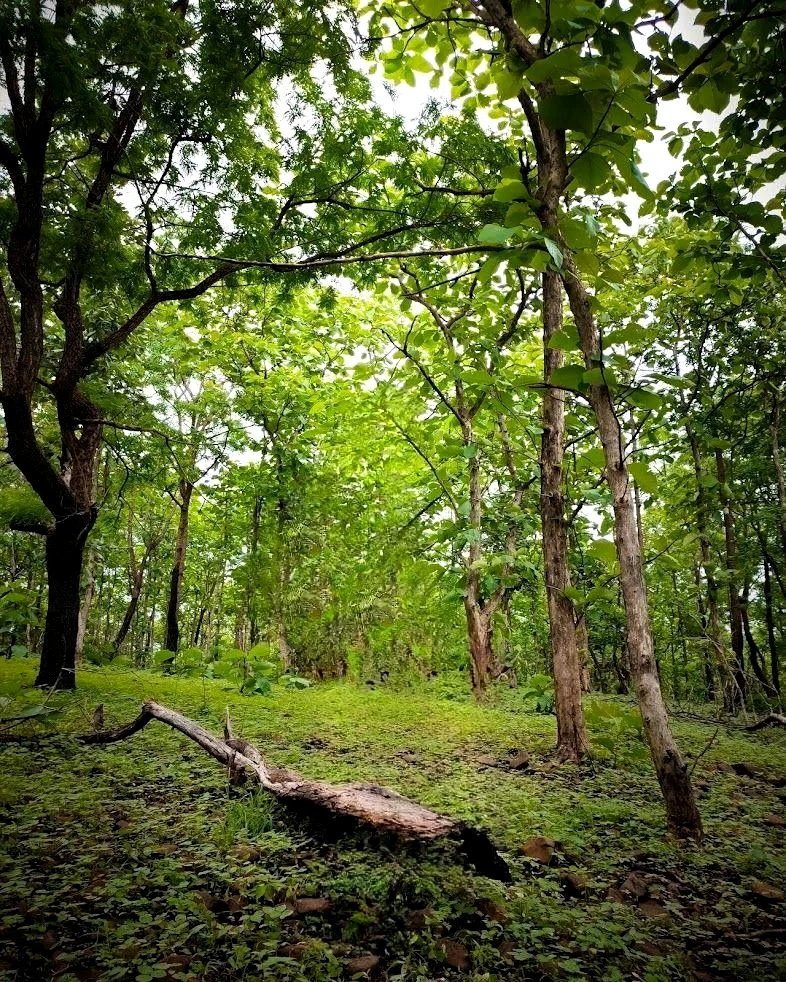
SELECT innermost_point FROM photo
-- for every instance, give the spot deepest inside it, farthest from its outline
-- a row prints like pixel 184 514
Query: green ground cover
pixel 139 861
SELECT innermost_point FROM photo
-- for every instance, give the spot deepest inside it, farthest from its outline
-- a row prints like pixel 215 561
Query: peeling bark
pixel 378 807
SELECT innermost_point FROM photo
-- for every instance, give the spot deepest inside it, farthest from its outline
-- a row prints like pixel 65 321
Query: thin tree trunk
pixel 757 662
pixel 172 641
pixel 706 649
pixel 772 644
pixel 566 668
pixel 84 608
pixel 681 811
pixel 714 632
pixel 253 628
pixel 198 626
pixel 736 697
pixel 775 423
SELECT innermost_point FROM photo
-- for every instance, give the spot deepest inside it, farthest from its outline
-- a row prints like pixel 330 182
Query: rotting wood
pixel 378 807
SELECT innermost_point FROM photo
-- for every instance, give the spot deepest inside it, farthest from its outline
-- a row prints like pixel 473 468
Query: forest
pixel 393 411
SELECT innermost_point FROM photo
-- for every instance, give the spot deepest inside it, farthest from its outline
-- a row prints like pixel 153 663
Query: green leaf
pixel 567 112
pixel 595 457
pixel 432 8
pixel 708 97
pixel 494 234
pixel 600 376
pixel 565 340
pixel 562 63
pixel 590 171
pixel 554 251
pixel 643 476
pixel 643 399
pixel 567 377
pixel 603 550
pixel 510 191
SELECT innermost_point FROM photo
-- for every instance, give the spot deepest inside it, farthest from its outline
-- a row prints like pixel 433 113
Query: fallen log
pixel 373 805
pixel 771 719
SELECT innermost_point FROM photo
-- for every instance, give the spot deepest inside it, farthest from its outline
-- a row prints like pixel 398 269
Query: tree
pixel 163 108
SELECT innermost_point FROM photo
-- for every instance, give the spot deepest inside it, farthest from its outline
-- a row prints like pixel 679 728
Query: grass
pixel 139 861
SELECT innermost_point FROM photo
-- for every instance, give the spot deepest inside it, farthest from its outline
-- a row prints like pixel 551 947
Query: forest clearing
pixel 141 858
pixel 392 495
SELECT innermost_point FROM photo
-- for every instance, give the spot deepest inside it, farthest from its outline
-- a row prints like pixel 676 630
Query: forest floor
pixel 139 861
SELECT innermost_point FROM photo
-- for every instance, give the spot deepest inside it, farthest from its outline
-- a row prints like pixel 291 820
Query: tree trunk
pixel 706 648
pixel 712 623
pixel 772 643
pixel 128 617
pixel 775 423
pixel 84 609
pixel 172 641
pixel 566 668
pixel 681 811
pixel 757 662
pixel 65 547
pixel 553 180
pixel 481 653
pixel 735 697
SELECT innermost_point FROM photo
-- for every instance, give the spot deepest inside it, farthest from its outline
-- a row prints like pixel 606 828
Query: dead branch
pixel 380 808
pixel 771 719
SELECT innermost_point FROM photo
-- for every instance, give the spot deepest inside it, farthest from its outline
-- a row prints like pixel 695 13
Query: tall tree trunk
pixel 711 623
pixel 735 698
pixel 566 668
pixel 775 423
pixel 772 643
pixel 172 641
pixel 198 626
pixel 583 651
pixel 553 180
pixel 128 617
pixel 65 547
pixel 681 811
pixel 251 592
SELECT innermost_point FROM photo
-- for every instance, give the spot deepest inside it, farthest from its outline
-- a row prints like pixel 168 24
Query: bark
pixel 735 697
pixel 84 609
pixel 377 807
pixel 481 650
pixel 681 811
pixel 707 651
pixel 64 556
pixel 771 719
pixel 136 577
pixel 775 670
pixel 566 667
pixel 172 640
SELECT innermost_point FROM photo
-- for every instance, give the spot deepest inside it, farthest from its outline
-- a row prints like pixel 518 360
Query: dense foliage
pixel 364 344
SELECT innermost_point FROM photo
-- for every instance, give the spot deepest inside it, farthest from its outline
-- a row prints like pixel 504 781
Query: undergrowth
pixel 139 861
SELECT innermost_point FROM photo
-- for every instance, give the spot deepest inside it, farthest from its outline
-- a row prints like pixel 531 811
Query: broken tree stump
pixel 373 805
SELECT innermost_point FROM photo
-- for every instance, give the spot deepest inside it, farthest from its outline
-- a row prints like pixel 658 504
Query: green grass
pixel 139 861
